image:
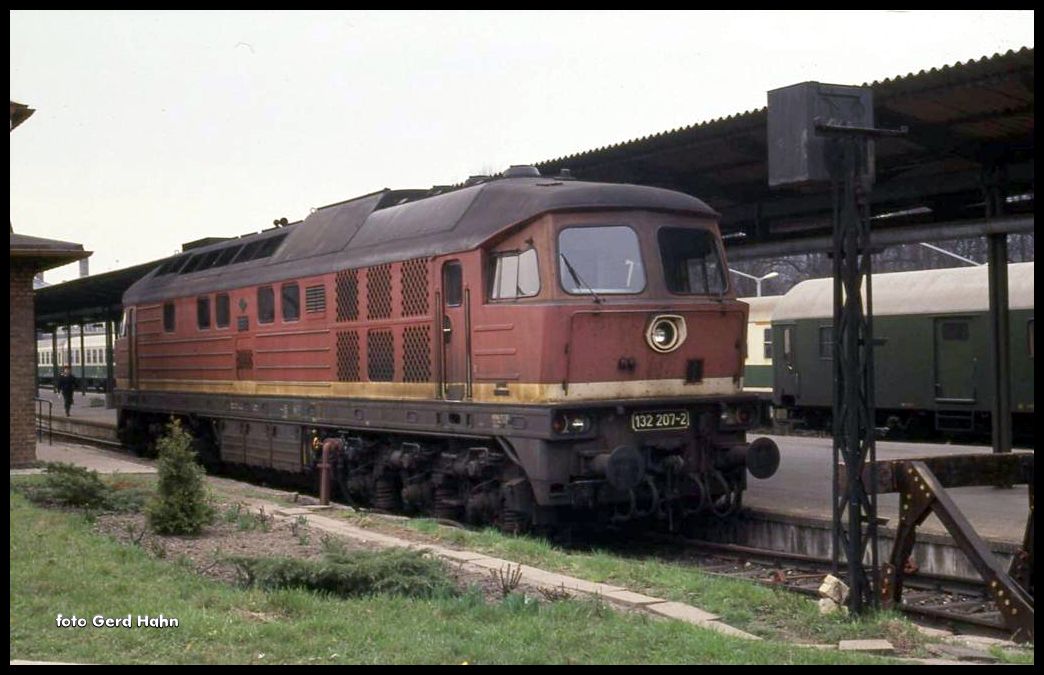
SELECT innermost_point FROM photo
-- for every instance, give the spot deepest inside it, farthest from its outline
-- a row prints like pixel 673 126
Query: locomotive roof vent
pixel 522 171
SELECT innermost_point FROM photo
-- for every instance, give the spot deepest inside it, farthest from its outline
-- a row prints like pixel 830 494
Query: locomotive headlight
pixel 571 424
pixel 665 332
pixel 732 416
pixel 579 424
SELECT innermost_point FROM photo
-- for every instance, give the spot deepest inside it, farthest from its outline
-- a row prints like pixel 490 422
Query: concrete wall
pixel 23 390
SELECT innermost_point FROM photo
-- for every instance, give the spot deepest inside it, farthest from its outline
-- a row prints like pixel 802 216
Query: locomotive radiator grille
pixel 348 356
pixel 378 292
pixel 416 365
pixel 380 356
pixel 348 295
pixel 415 287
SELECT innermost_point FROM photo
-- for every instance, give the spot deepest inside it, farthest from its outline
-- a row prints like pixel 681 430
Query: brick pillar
pixel 23 370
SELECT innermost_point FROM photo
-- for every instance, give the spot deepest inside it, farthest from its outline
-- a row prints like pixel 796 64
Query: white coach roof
pixel 945 291
pixel 761 308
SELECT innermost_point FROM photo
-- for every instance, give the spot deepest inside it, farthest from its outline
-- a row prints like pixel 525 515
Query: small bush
pixel 71 486
pixel 181 505
pixel 361 573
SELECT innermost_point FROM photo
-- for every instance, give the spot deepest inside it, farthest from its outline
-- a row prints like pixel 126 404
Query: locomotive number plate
pixel 660 420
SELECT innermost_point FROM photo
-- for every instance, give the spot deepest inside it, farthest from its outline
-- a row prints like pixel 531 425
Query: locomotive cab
pixel 623 324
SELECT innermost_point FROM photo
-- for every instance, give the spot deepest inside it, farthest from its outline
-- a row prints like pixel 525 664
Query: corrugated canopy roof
pixel 961 119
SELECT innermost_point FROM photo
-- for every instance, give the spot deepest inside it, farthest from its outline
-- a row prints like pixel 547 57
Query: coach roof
pixel 951 290
pixel 390 225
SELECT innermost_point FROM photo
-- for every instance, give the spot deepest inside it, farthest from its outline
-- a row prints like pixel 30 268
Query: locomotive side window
pixel 453 284
pixel 291 302
pixel 768 343
pixel 221 310
pixel 595 260
pixel 168 317
pixel 515 275
pixel 265 305
pixel 691 261
pixel 203 312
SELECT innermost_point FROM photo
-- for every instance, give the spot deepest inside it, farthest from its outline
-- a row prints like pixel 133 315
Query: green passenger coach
pixel 932 370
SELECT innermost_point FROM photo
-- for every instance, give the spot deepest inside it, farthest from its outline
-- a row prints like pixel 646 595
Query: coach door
pixel 454 333
pixel 955 362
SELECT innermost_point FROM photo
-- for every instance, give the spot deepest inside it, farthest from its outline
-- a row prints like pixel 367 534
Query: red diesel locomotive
pixel 523 351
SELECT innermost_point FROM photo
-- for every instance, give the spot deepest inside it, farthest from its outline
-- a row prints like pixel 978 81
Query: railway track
pixel 959 604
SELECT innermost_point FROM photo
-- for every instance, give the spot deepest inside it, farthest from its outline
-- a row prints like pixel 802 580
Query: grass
pixel 763 611
pixel 59 567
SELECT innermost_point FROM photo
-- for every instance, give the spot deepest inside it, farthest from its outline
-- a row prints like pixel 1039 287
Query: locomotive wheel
pixel 514 522
pixel 447 506
pixel 386 495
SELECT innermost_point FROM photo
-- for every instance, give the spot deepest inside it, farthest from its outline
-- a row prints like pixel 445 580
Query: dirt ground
pixel 239 531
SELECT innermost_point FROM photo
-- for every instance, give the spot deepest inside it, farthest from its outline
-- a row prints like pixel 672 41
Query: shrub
pixel 393 572
pixel 181 505
pixel 74 486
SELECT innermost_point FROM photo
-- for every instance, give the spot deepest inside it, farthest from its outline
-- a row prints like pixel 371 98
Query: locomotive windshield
pixel 691 261
pixel 598 260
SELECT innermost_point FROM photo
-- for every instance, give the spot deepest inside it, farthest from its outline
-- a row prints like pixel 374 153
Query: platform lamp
pixel 757 280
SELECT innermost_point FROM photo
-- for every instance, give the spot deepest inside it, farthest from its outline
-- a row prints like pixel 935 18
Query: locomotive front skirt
pixel 521 351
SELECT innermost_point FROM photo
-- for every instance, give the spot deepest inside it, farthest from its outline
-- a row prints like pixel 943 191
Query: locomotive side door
pixel 132 349
pixel 244 358
pixel 453 333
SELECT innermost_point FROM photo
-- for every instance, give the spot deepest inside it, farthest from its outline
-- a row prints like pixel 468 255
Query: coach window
pixel 203 312
pixel 826 342
pixel 221 310
pixel 788 347
pixel 168 317
pixel 515 275
pixel 265 305
pixel 291 302
pixel 768 343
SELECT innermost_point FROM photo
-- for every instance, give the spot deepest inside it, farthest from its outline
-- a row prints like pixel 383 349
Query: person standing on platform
pixel 67 385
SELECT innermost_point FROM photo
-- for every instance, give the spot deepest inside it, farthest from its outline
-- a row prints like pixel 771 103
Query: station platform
pixel 791 511
pixel 801 488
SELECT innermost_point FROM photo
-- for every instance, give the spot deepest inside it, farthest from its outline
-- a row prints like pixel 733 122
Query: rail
pixel 40 420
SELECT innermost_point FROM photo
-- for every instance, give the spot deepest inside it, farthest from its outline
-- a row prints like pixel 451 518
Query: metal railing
pixel 40 420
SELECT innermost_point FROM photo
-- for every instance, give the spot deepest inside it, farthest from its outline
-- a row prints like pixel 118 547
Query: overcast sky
pixel 157 128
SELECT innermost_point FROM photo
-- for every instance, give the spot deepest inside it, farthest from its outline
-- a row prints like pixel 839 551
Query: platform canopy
pixel 970 125
pixel 98 297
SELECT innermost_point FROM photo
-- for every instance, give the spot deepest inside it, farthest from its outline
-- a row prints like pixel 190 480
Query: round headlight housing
pixel 665 333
